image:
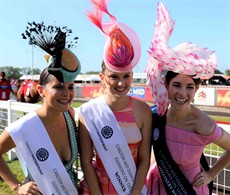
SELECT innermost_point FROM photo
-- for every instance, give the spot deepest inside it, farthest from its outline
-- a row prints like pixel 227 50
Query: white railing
pixel 11 111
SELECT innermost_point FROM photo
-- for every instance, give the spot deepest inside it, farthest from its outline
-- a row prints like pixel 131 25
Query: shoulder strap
pixel 173 179
pixel 72 128
pixel 73 136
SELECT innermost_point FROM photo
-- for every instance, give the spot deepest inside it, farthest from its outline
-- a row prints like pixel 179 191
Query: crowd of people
pixel 124 145
pixel 16 90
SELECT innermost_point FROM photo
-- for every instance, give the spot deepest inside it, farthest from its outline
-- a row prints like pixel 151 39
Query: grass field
pixel 16 169
pixel 224 119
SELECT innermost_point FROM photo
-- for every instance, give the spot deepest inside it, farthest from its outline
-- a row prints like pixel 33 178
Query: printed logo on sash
pixel 111 144
pixel 156 134
pixel 51 178
pixel 107 132
pixel 42 154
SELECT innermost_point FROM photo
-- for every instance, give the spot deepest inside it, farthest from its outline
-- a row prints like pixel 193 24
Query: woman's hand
pixel 29 188
pixel 202 179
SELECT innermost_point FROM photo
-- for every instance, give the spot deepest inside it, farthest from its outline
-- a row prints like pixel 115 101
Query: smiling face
pixel 117 83
pixel 181 91
pixel 57 95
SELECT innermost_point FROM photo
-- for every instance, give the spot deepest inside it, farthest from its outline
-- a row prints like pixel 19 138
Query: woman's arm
pixel 86 156
pixel 144 148
pixel 6 143
pixel 224 160
pixel 204 177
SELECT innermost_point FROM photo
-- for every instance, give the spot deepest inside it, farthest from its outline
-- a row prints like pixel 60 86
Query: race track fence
pixel 11 111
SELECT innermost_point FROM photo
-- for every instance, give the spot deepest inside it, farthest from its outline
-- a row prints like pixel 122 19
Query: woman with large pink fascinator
pixel 115 128
pixel 180 130
pixel 186 58
pixel 122 48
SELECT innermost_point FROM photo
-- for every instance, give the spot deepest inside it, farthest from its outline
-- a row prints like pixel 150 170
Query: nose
pixel 65 91
pixel 182 91
pixel 121 81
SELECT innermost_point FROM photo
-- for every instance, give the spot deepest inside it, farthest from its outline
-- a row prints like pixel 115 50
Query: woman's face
pixel 117 83
pixel 58 95
pixel 181 91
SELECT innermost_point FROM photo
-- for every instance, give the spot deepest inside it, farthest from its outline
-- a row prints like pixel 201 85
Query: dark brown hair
pixel 170 75
pixel 45 77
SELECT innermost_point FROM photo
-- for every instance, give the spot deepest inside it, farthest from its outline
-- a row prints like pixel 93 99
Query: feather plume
pixel 96 18
pixel 186 58
pixel 51 39
pixel 100 5
pixel 122 46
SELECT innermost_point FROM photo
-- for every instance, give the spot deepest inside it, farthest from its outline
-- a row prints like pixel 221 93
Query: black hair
pixel 3 74
pixel 170 75
pixel 45 77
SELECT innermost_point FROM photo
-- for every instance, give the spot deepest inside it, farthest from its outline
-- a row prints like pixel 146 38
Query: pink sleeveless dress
pixel 186 149
pixel 133 136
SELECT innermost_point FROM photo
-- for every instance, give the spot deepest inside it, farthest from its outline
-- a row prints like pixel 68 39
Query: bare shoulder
pixel 141 104
pixel 205 125
pixel 141 108
pixel 72 112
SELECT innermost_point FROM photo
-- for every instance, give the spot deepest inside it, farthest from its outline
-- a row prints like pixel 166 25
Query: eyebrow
pixel 175 82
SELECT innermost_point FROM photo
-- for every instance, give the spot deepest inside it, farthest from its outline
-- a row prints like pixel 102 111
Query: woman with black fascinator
pixel 46 139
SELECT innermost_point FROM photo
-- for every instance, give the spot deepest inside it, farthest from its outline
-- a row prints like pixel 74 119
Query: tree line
pixel 16 72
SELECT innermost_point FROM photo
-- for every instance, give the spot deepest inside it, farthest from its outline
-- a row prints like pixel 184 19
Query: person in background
pixel 15 86
pixel 46 139
pixel 28 92
pixel 181 131
pixel 115 129
pixel 5 87
pixel 5 92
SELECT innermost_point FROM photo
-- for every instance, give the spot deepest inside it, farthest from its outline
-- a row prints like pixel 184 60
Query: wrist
pixel 17 189
pixel 210 175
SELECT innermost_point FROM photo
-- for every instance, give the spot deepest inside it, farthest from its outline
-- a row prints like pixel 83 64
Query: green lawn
pixel 16 169
pixel 76 104
pixel 221 118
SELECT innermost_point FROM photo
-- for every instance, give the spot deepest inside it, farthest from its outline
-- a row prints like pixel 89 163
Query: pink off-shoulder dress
pixel 186 149
pixel 133 136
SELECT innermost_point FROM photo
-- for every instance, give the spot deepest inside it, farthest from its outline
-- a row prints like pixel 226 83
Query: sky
pixel 203 22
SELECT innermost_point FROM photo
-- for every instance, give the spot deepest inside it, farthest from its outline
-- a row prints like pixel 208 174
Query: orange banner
pixel 223 97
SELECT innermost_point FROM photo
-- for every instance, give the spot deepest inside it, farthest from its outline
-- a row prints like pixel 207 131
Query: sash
pixel 173 179
pixel 35 147
pixel 111 144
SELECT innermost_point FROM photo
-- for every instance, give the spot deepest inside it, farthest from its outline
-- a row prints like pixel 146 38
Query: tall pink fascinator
pixel 122 48
pixel 186 58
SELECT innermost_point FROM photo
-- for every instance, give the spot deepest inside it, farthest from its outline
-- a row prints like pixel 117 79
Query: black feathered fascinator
pixel 62 63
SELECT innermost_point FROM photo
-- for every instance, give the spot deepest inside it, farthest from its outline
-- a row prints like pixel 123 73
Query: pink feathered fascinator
pixel 186 58
pixel 122 48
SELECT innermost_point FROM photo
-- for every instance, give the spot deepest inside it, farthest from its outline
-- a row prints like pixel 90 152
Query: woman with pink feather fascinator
pixel 115 128
pixel 180 130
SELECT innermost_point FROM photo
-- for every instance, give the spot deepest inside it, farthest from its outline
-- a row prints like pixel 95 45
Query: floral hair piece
pixel 186 58
pixel 122 48
pixel 62 63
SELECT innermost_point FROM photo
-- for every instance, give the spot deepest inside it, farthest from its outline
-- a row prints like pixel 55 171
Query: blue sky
pixel 204 22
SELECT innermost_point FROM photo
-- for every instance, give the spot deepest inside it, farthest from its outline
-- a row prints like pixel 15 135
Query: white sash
pixel 43 162
pixel 110 143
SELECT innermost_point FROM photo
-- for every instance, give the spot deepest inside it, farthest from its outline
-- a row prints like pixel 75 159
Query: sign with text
pixel 205 96
pixel 137 92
